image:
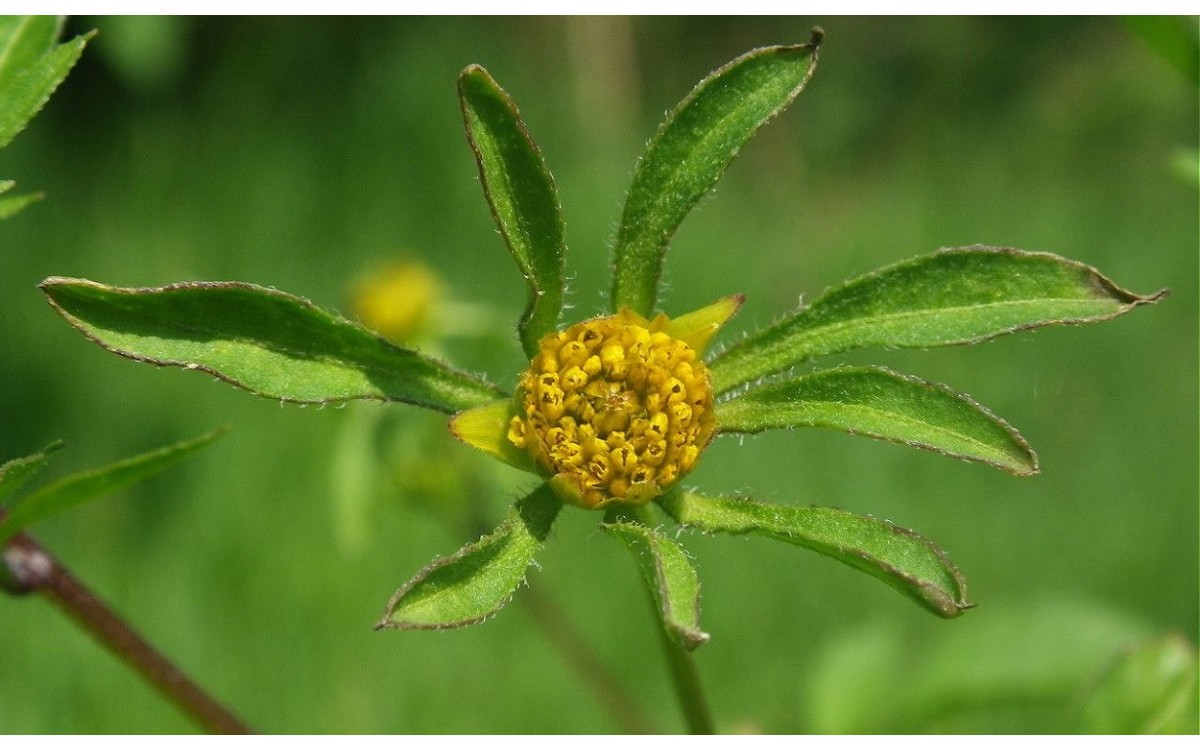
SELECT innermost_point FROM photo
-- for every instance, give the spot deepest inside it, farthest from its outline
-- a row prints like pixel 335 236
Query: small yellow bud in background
pixel 397 300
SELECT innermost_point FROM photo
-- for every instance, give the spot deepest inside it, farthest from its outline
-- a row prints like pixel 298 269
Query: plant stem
pixel 687 685
pixel 613 697
pixel 680 664
pixel 28 567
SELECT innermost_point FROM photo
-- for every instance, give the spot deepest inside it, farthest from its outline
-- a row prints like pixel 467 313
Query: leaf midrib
pixel 369 367
pixel 673 176
pixel 773 339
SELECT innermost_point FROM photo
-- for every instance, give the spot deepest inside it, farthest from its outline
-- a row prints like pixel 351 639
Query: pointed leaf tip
pixel 880 403
pixel 265 341
pixel 77 489
pixel 16 473
pixel 30 71
pixel 960 295
pixel 903 559
pixel 697 328
pixel 671 579
pixel 522 196
pixel 690 152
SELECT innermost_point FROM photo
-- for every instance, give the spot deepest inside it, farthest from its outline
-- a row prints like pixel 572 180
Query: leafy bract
pixel 880 403
pixel 689 153
pixel 270 343
pixel 955 296
pixel 521 193
pixel 486 428
pixel 15 473
pixel 31 67
pixel 23 39
pixel 670 577
pixel 479 579
pixel 908 562
pixel 77 489
pixel 1151 689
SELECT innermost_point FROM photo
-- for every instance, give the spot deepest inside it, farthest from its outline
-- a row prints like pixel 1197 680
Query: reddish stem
pixel 29 567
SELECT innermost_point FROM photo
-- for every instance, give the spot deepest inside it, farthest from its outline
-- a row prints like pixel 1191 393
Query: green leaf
pixel 25 88
pixel 880 403
pixel 270 343
pixel 671 579
pixel 904 560
pixel 1017 667
pixel 689 153
pixel 15 473
pixel 955 296
pixel 78 489
pixel 14 204
pixel 1150 690
pixel 1176 39
pixel 23 39
pixel 521 193
pixel 475 582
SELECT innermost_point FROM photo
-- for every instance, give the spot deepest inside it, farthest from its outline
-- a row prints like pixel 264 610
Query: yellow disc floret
pixel 615 409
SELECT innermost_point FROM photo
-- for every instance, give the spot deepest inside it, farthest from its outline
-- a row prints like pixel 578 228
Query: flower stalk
pixel 29 568
pixel 686 680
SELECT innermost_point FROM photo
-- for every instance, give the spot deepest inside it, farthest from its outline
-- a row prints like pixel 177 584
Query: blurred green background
pixel 301 153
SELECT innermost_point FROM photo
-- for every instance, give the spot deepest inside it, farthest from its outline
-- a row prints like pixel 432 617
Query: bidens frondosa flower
pixel 613 410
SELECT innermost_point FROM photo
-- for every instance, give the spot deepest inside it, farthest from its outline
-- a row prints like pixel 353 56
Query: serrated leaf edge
pixel 80 326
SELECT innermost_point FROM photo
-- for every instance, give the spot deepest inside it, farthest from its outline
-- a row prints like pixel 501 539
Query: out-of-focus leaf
pixel 671 578
pixel 689 153
pixel 27 89
pixel 270 343
pixel 1185 163
pixel 1151 689
pixel 16 473
pixel 521 193
pixel 77 489
pixel 146 53
pixel 955 296
pixel 479 579
pixel 1017 667
pixel 14 204
pixel 880 403
pixel 904 560
pixel 1176 39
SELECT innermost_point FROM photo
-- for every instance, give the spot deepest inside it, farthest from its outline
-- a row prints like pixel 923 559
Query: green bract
pixel 19 513
pixel 282 347
pixel 32 65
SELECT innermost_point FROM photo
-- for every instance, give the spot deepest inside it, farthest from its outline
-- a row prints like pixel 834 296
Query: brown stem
pixel 29 567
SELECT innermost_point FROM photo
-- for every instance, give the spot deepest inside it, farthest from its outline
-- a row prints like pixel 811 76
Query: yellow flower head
pixel 614 409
